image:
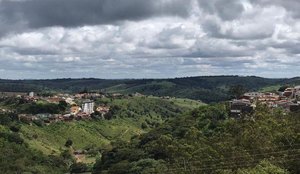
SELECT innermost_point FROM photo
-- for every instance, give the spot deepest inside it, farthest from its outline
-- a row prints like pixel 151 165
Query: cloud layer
pixel 148 39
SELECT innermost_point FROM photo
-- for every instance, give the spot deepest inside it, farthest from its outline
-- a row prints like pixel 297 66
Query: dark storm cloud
pixel 73 13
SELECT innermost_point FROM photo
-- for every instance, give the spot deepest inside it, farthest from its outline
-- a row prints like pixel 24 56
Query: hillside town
pixel 288 100
pixel 80 106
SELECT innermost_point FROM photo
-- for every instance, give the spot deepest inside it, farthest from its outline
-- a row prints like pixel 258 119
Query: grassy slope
pixel 51 139
pixel 270 88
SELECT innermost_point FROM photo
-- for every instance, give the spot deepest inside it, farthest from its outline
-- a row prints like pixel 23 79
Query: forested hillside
pixel 207 89
pixel 207 141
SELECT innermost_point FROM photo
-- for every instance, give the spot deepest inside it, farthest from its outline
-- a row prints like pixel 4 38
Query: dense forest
pixel 207 88
pixel 207 140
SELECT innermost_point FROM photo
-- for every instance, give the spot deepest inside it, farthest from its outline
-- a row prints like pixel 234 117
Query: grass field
pixel 51 139
pixel 270 88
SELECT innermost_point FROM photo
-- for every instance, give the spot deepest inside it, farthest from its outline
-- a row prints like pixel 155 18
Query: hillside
pixel 127 120
pixel 36 147
pixel 206 88
pixel 207 140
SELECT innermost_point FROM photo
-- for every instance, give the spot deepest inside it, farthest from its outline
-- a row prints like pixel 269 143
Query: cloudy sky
pixel 148 39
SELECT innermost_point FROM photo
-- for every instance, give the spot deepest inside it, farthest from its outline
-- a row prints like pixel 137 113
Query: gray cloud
pixel 73 13
pixel 291 6
pixel 226 10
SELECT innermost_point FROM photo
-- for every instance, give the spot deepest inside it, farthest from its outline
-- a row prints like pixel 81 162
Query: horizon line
pixel 182 77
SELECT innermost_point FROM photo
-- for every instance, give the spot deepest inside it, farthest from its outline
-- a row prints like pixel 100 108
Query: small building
pixel 269 97
pixel 295 107
pixel 297 95
pixel 25 117
pixel 70 100
pixel 102 110
pixel 288 92
pixel 68 117
pixel 82 115
pixel 75 110
pixel 239 107
pixel 54 100
pixel 284 104
pixel 252 95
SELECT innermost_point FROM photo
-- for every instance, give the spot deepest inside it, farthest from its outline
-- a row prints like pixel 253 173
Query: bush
pixel 39 123
pixel 15 127
pixel 144 125
pixel 5 119
pixel 69 143
pixel 78 168
pixel 12 137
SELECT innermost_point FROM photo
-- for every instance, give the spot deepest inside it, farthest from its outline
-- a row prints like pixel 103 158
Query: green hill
pixel 132 116
pixel 207 140
pixel 206 88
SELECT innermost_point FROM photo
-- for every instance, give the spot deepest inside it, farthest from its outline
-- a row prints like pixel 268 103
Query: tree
pixel 15 127
pixel 69 143
pixel 282 88
pixel 62 105
pixel 237 90
pixel 144 125
pixel 264 167
pixel 78 168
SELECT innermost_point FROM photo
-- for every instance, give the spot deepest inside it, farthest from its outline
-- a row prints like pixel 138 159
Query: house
pixel 295 107
pixel 68 117
pixel 103 110
pixel 25 117
pixel 43 115
pixel 117 95
pixel 288 92
pixel 82 115
pixel 284 104
pixel 269 97
pixel 79 96
pixel 70 101
pixel 239 107
pixel 252 95
pixel 138 94
pixel 297 95
pixel 12 94
pixel 54 100
pixel 75 110
pixel 53 118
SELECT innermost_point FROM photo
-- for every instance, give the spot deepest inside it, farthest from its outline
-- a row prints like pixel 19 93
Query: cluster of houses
pixel 82 106
pixel 289 100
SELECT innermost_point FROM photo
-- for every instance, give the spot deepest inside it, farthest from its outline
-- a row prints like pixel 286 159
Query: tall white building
pixel 31 94
pixel 88 106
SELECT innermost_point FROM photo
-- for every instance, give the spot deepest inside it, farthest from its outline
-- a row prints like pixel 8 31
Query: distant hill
pixel 205 88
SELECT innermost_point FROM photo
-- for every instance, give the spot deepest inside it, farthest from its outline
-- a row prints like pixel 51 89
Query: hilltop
pixel 205 88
